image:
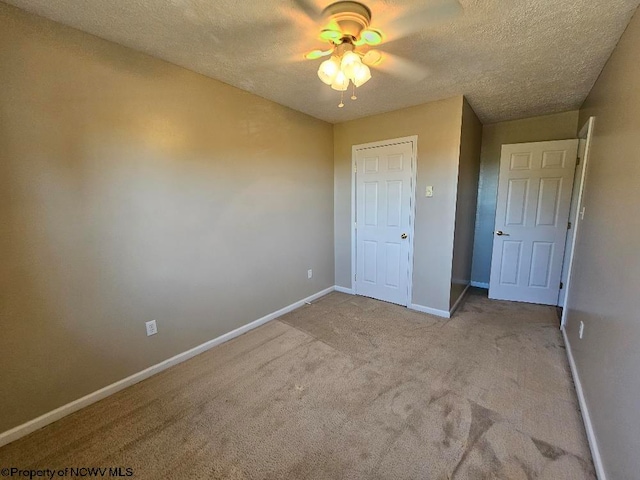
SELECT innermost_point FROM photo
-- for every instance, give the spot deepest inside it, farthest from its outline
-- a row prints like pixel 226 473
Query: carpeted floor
pixel 345 388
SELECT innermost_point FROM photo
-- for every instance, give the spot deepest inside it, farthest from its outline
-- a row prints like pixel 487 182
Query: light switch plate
pixel 428 191
pixel 152 328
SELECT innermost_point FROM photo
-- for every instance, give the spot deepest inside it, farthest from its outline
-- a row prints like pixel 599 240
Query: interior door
pixel 534 195
pixel 383 221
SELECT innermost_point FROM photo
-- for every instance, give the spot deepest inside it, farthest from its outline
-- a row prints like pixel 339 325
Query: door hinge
pixel 355 277
pixel 561 285
pixel 355 169
pixel 355 225
pixel 568 225
pixel 578 161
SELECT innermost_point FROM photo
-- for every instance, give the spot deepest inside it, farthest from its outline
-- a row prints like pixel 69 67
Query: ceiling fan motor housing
pixel 352 17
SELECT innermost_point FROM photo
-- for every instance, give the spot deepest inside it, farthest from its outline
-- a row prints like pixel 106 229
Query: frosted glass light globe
pixel 349 64
pixel 362 75
pixel 328 70
pixel 341 82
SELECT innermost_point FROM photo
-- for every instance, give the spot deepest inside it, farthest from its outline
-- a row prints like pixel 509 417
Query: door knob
pixel 403 236
pixel 500 233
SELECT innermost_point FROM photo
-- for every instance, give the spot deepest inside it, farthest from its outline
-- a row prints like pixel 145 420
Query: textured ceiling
pixel 510 58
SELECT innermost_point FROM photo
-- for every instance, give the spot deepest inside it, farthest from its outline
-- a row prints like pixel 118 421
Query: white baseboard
pixel 480 285
pixel 429 310
pixel 440 313
pixel 586 418
pixel 459 301
pixel 50 417
pixel 345 290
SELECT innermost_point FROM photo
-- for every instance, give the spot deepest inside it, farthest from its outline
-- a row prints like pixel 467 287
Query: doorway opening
pixel 577 213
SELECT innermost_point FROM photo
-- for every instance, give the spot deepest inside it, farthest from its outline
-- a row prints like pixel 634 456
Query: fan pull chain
pixel 353 95
pixel 341 104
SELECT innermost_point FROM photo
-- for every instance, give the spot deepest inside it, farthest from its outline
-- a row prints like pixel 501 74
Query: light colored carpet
pixel 345 388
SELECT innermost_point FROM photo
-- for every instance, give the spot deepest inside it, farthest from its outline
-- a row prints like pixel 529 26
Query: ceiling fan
pixel 346 27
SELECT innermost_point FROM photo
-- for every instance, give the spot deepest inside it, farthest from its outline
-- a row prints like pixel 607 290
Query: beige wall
pixel 604 292
pixel 559 126
pixel 467 194
pixel 437 126
pixel 131 190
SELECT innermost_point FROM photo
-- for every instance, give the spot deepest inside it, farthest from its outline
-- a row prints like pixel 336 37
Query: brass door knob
pixel 403 236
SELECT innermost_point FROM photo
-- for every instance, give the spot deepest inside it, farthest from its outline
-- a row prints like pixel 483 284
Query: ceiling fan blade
pixel 309 9
pixel 400 67
pixel 369 37
pixel 331 32
pixel 314 54
pixel 412 21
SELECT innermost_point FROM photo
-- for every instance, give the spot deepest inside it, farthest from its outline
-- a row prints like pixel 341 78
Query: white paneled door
pixel 534 196
pixel 383 221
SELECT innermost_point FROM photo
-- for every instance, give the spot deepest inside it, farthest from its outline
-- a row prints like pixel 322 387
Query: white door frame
pixel 413 139
pixel 585 133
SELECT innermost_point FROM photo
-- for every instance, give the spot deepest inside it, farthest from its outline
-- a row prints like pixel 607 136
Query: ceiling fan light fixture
pixel 346 29
pixel 362 75
pixel 350 63
pixel 341 82
pixel 328 70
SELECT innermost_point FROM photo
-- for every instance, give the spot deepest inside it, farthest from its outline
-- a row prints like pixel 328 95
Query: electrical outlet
pixel 309 273
pixel 428 191
pixel 152 328
pixel 581 329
